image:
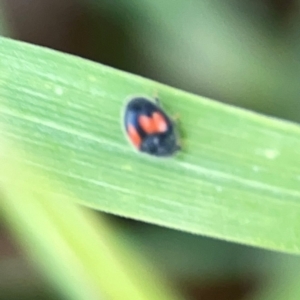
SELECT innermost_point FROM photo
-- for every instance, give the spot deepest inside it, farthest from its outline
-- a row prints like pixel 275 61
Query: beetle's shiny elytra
pixel 149 128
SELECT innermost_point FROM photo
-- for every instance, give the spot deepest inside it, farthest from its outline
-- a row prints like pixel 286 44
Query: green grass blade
pixel 237 177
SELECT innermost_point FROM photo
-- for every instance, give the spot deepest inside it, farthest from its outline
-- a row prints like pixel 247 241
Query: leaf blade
pixel 236 179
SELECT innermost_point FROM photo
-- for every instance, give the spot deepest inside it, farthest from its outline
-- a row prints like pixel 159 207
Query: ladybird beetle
pixel 149 129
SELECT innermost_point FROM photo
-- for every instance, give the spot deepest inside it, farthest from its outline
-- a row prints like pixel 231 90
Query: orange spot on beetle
pixel 134 136
pixel 147 124
pixel 160 122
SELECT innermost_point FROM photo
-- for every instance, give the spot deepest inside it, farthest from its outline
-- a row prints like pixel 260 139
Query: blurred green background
pixel 244 53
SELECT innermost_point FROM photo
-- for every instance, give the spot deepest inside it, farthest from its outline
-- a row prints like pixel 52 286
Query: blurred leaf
pixel 77 251
pixel 283 279
pixel 218 51
pixel 237 177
